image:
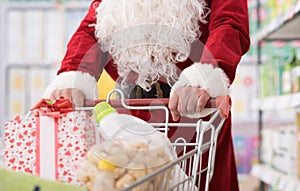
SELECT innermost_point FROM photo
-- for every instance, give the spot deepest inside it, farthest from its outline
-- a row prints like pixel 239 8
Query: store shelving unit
pixel 274 178
pixel 284 27
pixel 40 62
pixel 2 78
pixel 276 103
pixel 44 5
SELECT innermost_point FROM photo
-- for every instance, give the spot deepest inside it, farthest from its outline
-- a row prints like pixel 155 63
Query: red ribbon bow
pixel 45 107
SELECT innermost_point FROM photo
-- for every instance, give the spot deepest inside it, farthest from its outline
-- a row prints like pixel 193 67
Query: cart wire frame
pixel 173 176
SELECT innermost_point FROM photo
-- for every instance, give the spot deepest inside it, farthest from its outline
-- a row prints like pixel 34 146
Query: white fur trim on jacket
pixel 74 79
pixel 204 76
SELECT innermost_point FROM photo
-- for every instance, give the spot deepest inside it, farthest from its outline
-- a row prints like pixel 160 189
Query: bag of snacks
pixel 130 150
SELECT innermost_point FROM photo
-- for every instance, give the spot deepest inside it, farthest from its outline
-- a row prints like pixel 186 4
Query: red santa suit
pixel 226 38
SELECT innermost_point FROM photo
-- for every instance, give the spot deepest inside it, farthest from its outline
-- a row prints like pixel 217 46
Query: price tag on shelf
pixel 256 104
pixel 283 102
pixel 292 185
pixel 269 103
pixel 256 171
pixel 277 180
pixel 268 176
pixel 295 100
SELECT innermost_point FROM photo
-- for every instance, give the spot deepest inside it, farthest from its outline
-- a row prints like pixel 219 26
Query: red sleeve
pixel 83 53
pixel 228 34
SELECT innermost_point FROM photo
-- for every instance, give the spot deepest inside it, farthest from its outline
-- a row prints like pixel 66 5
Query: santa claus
pixel 193 46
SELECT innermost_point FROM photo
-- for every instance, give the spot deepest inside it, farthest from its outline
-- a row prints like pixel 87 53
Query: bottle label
pixel 109 127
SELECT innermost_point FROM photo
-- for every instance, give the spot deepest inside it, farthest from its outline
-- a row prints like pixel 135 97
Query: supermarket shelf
pixel 289 101
pixel 46 5
pixel 274 178
pixel 284 27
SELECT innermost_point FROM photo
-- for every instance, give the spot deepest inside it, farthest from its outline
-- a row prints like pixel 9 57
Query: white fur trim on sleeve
pixel 74 79
pixel 205 76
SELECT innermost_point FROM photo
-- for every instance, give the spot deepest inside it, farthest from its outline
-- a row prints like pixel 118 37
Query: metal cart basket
pixel 183 173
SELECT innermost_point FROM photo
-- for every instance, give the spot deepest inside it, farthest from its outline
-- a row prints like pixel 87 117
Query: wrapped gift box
pixel 51 143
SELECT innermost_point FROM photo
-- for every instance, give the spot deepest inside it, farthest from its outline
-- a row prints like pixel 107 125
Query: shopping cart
pixel 183 173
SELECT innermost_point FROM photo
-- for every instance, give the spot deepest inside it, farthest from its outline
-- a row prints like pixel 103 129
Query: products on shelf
pixel 271 75
pixel 278 7
pixel 287 79
pixel 291 74
pixel 295 72
pixel 245 152
pixel 280 73
pixel 279 148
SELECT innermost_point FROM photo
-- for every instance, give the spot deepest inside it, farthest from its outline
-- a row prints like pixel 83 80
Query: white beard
pixel 149 37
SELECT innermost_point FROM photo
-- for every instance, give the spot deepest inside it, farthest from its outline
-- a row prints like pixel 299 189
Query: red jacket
pixel 226 36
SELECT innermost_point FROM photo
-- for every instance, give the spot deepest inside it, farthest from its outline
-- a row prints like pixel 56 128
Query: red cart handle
pixel 223 103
